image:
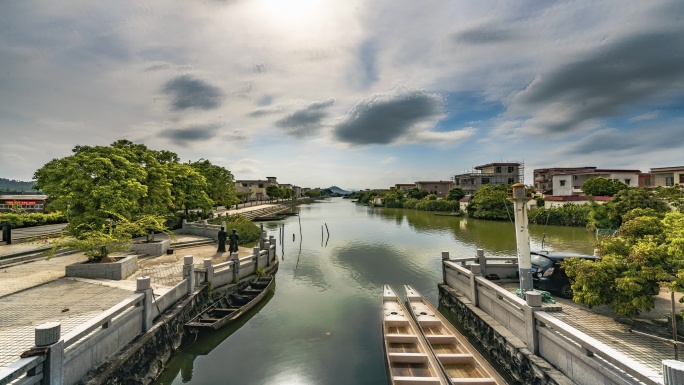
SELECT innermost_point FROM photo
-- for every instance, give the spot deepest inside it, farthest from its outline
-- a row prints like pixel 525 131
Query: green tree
pixel 417 193
pixel 601 186
pixel 674 195
pixel 313 193
pixel 649 251
pixel 220 182
pixel 274 191
pixel 490 202
pixel 455 194
pixel 633 198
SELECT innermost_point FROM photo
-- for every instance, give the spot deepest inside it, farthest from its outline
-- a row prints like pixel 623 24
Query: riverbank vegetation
pixel 19 219
pixel 246 229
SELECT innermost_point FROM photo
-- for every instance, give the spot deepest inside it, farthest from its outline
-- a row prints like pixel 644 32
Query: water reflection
pixel 203 343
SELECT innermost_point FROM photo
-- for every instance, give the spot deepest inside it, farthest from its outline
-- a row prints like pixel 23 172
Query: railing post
pixel 189 272
pixel 142 286
pixel 482 260
pixel 262 236
pixel 255 253
pixel 474 273
pixel 48 335
pixel 209 275
pixel 271 253
pixel 673 372
pixel 534 303
pixel 236 266
pixel 445 257
pixel 267 246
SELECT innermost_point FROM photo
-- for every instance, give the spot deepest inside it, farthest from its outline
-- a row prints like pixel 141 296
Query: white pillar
pixel 673 372
pixel 534 303
pixel 522 237
pixel 474 273
pixel 142 286
pixel 48 335
pixel 189 272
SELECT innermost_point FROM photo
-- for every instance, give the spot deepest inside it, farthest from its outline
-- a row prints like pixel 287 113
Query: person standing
pixel 222 236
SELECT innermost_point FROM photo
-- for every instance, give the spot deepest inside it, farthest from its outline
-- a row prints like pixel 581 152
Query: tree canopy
pixel 601 186
pixel 220 182
pixel 455 194
pixel 490 202
pixel 121 182
pixel 649 250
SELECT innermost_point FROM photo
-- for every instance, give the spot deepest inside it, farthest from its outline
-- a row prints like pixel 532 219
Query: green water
pixel 322 323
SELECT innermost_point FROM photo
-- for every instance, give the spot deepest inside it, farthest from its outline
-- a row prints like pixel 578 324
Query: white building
pixel 570 183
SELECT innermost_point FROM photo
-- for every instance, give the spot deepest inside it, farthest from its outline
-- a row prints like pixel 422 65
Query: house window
pixel 669 180
pixel 562 183
pixel 511 169
pixel 511 180
pixel 627 181
pixel 261 185
pixel 574 177
pixel 457 182
pixel 485 180
pixel 647 181
pixel 244 185
pixel 498 168
pixel 681 178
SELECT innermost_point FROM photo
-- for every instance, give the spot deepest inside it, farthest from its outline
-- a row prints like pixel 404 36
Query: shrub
pixel 18 220
pixel 568 215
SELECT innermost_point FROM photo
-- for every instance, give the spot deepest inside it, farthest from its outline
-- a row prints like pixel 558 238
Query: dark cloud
pixel 188 92
pixel 263 112
pixel 307 120
pixel 367 70
pixel 259 68
pixel 639 68
pixel 187 135
pixel 640 141
pixel 236 135
pixel 484 35
pixel 384 118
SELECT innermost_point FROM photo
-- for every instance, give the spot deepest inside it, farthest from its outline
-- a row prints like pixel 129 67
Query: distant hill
pixel 337 190
pixel 11 186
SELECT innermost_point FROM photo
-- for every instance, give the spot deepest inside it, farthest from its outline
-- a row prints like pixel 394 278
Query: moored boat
pixel 230 308
pixel 459 360
pixel 407 354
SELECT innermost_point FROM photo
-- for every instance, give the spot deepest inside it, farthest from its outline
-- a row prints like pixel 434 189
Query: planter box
pixel 122 268
pixel 153 249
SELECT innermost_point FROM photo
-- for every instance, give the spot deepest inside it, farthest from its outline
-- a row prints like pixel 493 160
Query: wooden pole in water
pixel 326 229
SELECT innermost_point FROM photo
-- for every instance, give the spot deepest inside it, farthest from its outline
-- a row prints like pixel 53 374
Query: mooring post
pixel 189 272
pixel 534 303
pixel 48 335
pixel 142 286
pixel 474 273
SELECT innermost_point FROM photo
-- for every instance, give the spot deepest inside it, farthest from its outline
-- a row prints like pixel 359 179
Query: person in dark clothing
pixel 222 236
pixel 233 237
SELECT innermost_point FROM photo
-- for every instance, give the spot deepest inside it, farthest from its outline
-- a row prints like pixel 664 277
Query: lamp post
pixel 522 237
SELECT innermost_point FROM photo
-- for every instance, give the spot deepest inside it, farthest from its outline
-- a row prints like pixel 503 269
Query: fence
pixel 580 357
pixel 66 359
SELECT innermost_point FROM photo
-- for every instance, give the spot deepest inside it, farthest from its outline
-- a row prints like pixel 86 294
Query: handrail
pixel 458 268
pixel 18 368
pixel 510 297
pixel 101 320
pixel 590 344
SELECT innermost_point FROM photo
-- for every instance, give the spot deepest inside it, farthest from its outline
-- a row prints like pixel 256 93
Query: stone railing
pixel 66 359
pixel 581 358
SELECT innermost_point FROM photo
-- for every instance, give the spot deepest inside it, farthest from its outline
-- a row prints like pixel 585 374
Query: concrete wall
pixel 111 270
pixel 153 249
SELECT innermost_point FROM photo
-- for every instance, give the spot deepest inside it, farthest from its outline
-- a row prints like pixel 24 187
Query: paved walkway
pixel 600 323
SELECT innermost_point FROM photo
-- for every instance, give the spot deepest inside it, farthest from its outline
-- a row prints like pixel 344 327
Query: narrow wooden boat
pixel 459 360
pixel 447 214
pixel 408 356
pixel 230 308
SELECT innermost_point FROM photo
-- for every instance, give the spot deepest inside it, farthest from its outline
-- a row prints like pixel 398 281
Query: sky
pixel 358 94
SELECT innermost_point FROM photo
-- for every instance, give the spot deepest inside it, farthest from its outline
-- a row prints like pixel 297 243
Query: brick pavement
pixel 71 302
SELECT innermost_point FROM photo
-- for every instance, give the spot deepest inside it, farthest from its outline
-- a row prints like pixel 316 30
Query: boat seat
pixel 417 380
pixel 456 358
pixel 408 357
pixel 473 381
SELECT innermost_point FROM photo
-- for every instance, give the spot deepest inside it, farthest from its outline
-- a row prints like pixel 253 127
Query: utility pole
pixel 522 237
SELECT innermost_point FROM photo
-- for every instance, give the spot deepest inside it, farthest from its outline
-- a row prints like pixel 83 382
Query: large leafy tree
pixel 649 251
pixel 274 191
pixel 220 182
pixel 490 202
pixel 417 193
pixel 99 185
pixel 601 186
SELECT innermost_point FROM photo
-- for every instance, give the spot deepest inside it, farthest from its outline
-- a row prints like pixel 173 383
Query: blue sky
pixel 359 94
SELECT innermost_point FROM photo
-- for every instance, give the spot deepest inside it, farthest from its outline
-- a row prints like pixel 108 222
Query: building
pixel 543 177
pixel 570 183
pixel 439 188
pixel 28 203
pixel 255 188
pixel 490 174
pixel 558 201
pixel 667 176
pixel 404 186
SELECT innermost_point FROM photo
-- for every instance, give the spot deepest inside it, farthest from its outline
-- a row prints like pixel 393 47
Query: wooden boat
pixel 459 360
pixel 230 308
pixel 448 214
pixel 407 354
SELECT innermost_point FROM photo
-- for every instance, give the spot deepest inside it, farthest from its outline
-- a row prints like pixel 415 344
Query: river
pixel 322 323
